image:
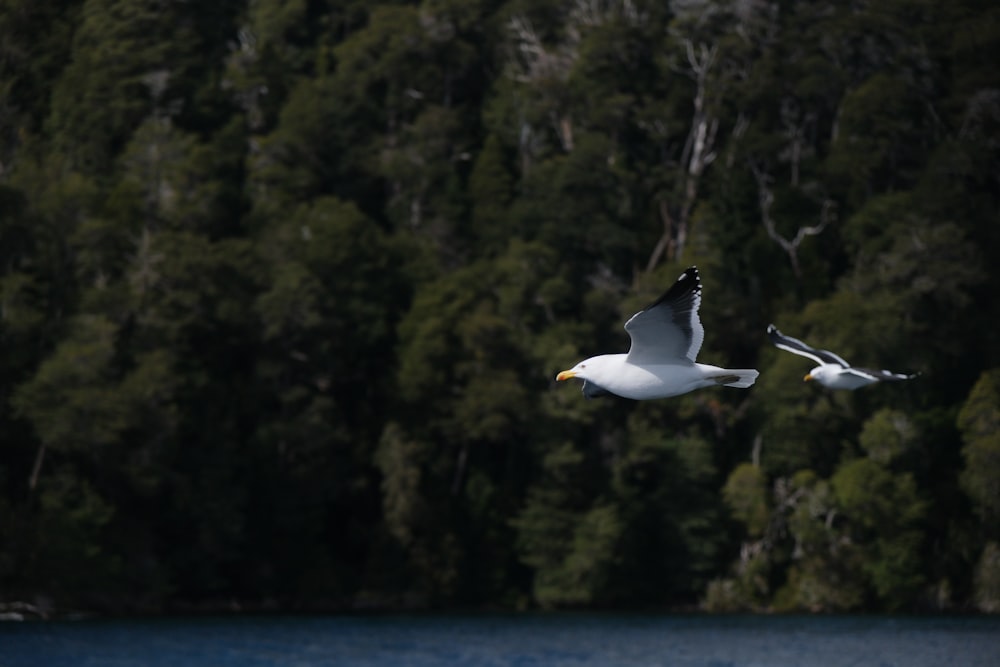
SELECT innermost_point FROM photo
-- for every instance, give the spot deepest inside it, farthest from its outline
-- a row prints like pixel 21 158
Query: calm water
pixel 516 640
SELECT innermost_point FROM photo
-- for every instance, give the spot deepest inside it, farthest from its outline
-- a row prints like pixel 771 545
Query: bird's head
pixel 592 369
pixel 578 371
pixel 822 374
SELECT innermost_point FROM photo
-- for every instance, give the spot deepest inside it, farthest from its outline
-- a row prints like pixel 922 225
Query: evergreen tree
pixel 284 287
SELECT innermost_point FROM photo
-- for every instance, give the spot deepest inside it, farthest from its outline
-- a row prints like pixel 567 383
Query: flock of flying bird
pixel 666 338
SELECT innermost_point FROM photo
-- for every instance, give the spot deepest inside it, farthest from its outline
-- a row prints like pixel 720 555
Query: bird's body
pixel 614 374
pixel 833 372
pixel 666 338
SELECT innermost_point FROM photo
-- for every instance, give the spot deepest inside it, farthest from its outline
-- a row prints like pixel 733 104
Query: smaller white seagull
pixel 832 372
pixel 666 338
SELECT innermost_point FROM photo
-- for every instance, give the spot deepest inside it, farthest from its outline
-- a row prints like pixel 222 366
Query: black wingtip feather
pixel 689 282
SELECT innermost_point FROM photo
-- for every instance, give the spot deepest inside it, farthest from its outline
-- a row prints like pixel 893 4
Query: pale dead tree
pixel 144 275
pixel 36 468
pixel 697 155
pixel 739 129
pixel 794 128
pixel 157 82
pixel 753 21
pixel 765 196
pixel 784 499
pixel 154 152
pixel 243 79
pixel 545 68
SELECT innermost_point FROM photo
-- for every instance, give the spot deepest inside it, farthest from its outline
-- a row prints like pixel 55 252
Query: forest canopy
pixel 285 285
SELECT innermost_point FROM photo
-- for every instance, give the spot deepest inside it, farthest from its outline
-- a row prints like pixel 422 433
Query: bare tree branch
pixel 790 246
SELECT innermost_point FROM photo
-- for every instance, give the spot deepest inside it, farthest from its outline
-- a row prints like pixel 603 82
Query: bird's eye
pixel 583 365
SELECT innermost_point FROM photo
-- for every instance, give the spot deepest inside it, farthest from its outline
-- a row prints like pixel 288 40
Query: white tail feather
pixel 737 377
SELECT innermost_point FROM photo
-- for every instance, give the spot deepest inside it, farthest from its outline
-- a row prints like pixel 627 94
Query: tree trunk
pixel 36 469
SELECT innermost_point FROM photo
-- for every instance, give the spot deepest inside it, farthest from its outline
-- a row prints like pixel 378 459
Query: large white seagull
pixel 666 338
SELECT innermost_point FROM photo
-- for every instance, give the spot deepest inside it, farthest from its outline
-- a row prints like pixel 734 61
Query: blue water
pixel 535 640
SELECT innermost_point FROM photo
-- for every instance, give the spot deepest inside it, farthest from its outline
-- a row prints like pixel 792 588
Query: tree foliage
pixel 284 287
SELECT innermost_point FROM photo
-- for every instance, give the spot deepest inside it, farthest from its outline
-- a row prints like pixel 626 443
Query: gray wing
pixel 882 375
pixel 795 346
pixel 669 331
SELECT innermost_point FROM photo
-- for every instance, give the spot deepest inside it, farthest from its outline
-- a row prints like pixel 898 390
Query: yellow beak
pixel 808 377
pixel 565 375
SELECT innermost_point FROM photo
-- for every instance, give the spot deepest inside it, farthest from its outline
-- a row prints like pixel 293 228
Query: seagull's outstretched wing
pixel 882 375
pixel 795 346
pixel 669 331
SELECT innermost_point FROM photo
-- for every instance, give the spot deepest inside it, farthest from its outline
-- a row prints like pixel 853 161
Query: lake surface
pixel 536 640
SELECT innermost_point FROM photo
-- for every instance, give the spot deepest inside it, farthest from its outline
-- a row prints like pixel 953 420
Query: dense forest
pixel 285 285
